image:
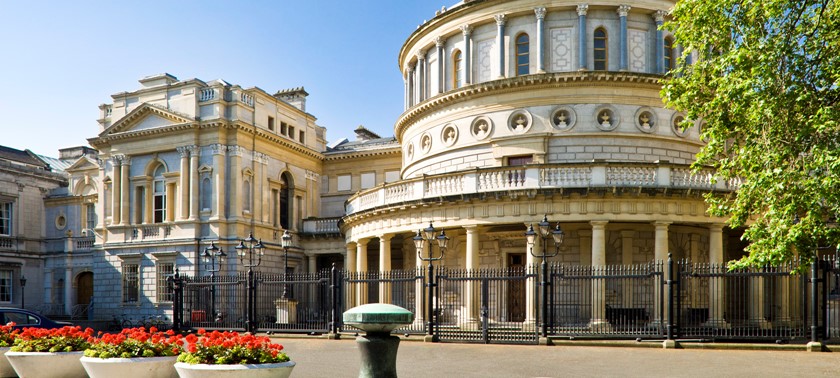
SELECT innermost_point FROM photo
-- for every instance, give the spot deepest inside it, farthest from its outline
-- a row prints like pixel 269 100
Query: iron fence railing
pixel 662 299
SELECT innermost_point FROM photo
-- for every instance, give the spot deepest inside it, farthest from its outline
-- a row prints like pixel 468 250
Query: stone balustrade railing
pixel 532 177
pixel 321 226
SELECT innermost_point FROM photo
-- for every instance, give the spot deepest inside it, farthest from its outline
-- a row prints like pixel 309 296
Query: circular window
pixel 60 222
pixel 520 121
pixel 426 142
pixel 449 135
pixel 677 125
pixel 563 118
pixel 481 127
pixel 606 118
pixel 646 120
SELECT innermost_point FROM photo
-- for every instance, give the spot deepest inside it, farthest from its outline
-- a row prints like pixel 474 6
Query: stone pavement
pixel 340 358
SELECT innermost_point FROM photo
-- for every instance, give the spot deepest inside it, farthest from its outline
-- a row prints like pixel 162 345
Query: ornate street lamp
pixel 209 256
pixel 250 247
pixel 22 291
pixel 285 242
pixel 423 236
pixel 557 235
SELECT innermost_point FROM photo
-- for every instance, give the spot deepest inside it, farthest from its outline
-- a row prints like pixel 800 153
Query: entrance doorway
pixel 516 289
pixel 84 291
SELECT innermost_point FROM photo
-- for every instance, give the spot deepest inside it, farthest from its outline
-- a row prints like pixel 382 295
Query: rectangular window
pixel 302 137
pixel 271 123
pixel 392 176
pixel 291 132
pixel 90 214
pixel 515 161
pixel 6 218
pixel 130 283
pixel 140 205
pixel 343 183
pixel 159 201
pixel 368 180
pixel 283 127
pixel 5 286
pixel 164 271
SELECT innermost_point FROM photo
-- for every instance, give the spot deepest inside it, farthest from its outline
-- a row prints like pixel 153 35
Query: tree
pixel 764 82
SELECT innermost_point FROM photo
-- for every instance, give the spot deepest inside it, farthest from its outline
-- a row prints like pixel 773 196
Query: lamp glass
pixel 442 240
pixel 418 242
pixel 544 227
pixel 530 235
pixel 429 233
pixel 558 235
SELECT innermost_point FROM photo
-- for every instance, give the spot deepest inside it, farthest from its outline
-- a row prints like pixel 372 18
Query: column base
pixel 529 326
pixel 670 344
pixel 761 324
pixel 599 325
pixel 716 323
pixel 815 346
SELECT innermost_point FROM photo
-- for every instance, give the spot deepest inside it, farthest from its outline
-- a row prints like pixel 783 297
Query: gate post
pixel 175 283
pixel 670 292
pixel 815 345
pixel 334 301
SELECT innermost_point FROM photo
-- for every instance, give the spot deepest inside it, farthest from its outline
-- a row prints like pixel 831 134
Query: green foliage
pixel 766 81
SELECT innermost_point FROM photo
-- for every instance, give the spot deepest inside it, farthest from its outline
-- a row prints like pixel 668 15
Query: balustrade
pixel 207 94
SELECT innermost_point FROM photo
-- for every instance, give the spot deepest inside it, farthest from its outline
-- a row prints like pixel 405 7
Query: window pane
pixel 5 285
pixel 164 271
pixel 130 282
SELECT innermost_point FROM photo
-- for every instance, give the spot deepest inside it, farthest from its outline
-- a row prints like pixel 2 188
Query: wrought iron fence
pixel 654 300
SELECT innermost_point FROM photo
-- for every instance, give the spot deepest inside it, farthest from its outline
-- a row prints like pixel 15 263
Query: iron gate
pixel 486 306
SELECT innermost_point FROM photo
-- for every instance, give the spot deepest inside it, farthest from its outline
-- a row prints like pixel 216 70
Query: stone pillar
pixel 441 79
pixel 170 203
pixel 599 261
pixel 312 264
pixel 500 42
pixel 531 286
pixel 717 292
pixel 419 291
pixel 472 295
pixel 627 260
pixel 219 180
pixel 622 50
pixel 466 31
pixel 421 76
pixel 385 267
pixel 235 153
pixel 581 11
pixel 540 13
pixel 195 152
pixel 362 267
pixel 694 258
pixel 659 18
pixel 350 266
pixel 116 190
pixel 125 190
pixel 406 90
pixel 660 255
pixel 411 86
pixel 68 286
pixel 184 183
pixel 147 202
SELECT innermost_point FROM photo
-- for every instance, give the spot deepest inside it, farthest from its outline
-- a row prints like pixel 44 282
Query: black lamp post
pixel 285 242
pixel 557 235
pixel 209 257
pixel 22 291
pixel 250 247
pixel 428 234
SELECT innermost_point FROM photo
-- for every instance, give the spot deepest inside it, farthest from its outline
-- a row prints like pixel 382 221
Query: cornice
pixel 250 129
pixel 362 154
pixel 143 133
pixel 528 82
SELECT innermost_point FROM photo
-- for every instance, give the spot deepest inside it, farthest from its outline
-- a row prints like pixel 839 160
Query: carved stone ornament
pixel 606 118
pixel 563 118
pixel 410 151
pixel 500 19
pixel 623 10
pixel 659 16
pixel 466 30
pixel 449 135
pixel 540 13
pixel 426 142
pixel 582 9
pixel 676 120
pixel 520 121
pixel 481 127
pixel 646 120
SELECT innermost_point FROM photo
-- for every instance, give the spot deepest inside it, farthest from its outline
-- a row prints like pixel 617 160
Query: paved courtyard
pixel 340 358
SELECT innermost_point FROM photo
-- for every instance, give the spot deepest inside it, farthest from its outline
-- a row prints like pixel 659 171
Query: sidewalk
pixel 340 358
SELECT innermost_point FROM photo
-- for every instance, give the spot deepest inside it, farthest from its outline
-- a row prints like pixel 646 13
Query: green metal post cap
pixel 378 317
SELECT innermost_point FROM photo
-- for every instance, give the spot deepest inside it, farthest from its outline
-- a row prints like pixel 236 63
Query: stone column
pixel 362 267
pixel 531 286
pixel 184 183
pixel 421 76
pixel 195 152
pixel 599 261
pixel 500 42
pixel 466 31
pixel 441 79
pixel 125 190
pixel 219 180
pixel 694 258
pixel 717 292
pixel 622 50
pixel 385 267
pixel 411 86
pixel 581 11
pixel 116 190
pixel 660 255
pixel 147 201
pixel 350 266
pixel 420 291
pixel 627 260
pixel 659 18
pixel 406 90
pixel 471 295
pixel 170 203
pixel 235 153
pixel 68 286
pixel 540 13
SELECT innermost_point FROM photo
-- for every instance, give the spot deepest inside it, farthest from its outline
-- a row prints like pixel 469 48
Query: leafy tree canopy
pixel 764 79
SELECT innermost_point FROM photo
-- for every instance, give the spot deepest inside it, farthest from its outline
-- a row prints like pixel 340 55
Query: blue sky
pixel 61 59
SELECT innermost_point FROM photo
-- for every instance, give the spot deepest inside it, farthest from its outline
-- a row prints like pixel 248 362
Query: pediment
pixel 83 164
pixel 146 117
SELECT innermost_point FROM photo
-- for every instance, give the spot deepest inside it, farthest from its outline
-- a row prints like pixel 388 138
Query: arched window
pixel 670 59
pixel 600 49
pixel 523 59
pixel 159 195
pixel 457 69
